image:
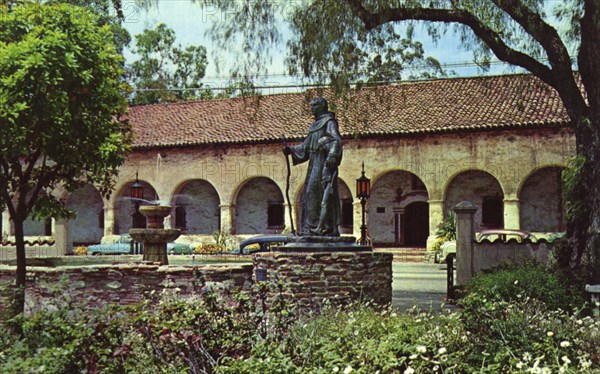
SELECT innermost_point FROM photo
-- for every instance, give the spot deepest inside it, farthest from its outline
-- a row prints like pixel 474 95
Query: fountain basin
pixel 154 235
pixel 155 215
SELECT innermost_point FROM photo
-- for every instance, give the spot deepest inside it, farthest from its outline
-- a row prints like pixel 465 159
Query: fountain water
pixel 155 237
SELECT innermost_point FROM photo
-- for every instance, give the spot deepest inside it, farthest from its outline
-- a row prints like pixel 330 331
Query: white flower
pixel 442 350
pixel 409 370
pixel 413 357
pixel 421 349
pixel 565 344
pixel 550 333
pixel 585 364
pixel 516 282
pixel 566 360
pixel 348 369
pixel 519 365
pixel 336 369
pixel 394 314
pixel 518 296
pixel 527 357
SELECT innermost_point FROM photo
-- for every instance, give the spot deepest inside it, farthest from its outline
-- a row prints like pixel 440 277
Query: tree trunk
pixel 21 266
pixel 584 229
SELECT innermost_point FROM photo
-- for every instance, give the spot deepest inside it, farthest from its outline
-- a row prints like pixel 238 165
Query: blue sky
pixel 190 22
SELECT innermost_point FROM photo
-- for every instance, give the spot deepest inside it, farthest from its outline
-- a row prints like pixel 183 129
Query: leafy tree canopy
pixel 166 72
pixel 61 98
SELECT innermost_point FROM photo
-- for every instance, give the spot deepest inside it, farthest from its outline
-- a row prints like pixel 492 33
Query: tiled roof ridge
pixel 309 88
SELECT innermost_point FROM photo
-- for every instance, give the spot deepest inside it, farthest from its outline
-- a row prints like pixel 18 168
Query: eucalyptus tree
pixel 555 41
pixel 62 95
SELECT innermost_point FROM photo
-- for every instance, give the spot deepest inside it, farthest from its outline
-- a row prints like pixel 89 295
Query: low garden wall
pixel 311 278
pixel 337 276
pixel 490 255
pixel 122 284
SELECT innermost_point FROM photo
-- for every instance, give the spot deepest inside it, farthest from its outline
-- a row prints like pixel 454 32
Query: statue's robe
pixel 320 204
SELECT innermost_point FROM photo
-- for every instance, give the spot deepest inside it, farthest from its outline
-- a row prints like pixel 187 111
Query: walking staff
pixel 287 185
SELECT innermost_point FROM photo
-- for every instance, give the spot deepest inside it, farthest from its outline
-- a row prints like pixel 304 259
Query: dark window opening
pixel 347 213
pixel 180 218
pixel 380 209
pixel 275 216
pixel 492 213
pixel 48 227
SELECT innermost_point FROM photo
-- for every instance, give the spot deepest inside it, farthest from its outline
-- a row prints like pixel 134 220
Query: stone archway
pixel 88 226
pixel 260 208
pixel 196 208
pixel 126 214
pixel 484 190
pixel 541 207
pixel 392 193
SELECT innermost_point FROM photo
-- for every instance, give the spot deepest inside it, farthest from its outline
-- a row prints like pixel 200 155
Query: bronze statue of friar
pixel 322 148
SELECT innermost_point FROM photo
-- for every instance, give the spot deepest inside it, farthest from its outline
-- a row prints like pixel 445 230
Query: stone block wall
pixel 340 277
pixel 122 284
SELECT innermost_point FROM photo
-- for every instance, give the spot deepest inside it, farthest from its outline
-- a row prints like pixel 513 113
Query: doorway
pixel 415 229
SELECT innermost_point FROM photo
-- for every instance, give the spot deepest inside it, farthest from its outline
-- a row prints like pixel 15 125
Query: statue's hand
pixel 287 150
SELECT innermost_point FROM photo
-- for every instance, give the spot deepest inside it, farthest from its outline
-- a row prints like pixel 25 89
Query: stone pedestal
pixel 316 269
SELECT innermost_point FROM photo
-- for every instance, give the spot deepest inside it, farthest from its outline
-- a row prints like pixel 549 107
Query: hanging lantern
pixel 136 191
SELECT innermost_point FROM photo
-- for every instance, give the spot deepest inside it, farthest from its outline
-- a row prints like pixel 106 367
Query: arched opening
pixel 259 208
pixel 389 221
pixel 196 208
pixel 88 226
pixel 541 208
pixel 483 190
pixel 127 213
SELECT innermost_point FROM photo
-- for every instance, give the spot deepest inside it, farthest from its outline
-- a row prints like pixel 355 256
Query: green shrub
pixel 164 333
pixel 526 280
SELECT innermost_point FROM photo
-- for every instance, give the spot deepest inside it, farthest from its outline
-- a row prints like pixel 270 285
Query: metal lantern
pixel 363 185
pixel 363 192
pixel 136 190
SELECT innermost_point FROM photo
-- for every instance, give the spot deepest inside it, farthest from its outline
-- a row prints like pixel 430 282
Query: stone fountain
pixel 155 237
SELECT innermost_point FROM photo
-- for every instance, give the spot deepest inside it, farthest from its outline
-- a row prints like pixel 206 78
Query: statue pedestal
pixel 323 244
pixel 336 269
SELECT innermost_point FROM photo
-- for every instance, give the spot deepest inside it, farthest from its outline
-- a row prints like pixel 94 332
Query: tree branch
pixel 560 77
pixel 489 36
pixel 542 32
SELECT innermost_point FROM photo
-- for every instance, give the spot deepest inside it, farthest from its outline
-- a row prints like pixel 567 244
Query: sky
pixel 191 22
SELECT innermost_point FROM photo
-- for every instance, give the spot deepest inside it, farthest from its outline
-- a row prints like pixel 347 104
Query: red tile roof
pixel 444 105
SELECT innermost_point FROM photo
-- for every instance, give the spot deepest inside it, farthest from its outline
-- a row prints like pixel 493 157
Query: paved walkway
pixel 420 284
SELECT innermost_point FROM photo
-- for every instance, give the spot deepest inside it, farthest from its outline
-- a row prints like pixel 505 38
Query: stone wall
pixel 339 276
pixel 122 284
pixel 491 255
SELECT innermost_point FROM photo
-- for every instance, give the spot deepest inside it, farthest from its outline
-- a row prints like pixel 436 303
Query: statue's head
pixel 319 106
